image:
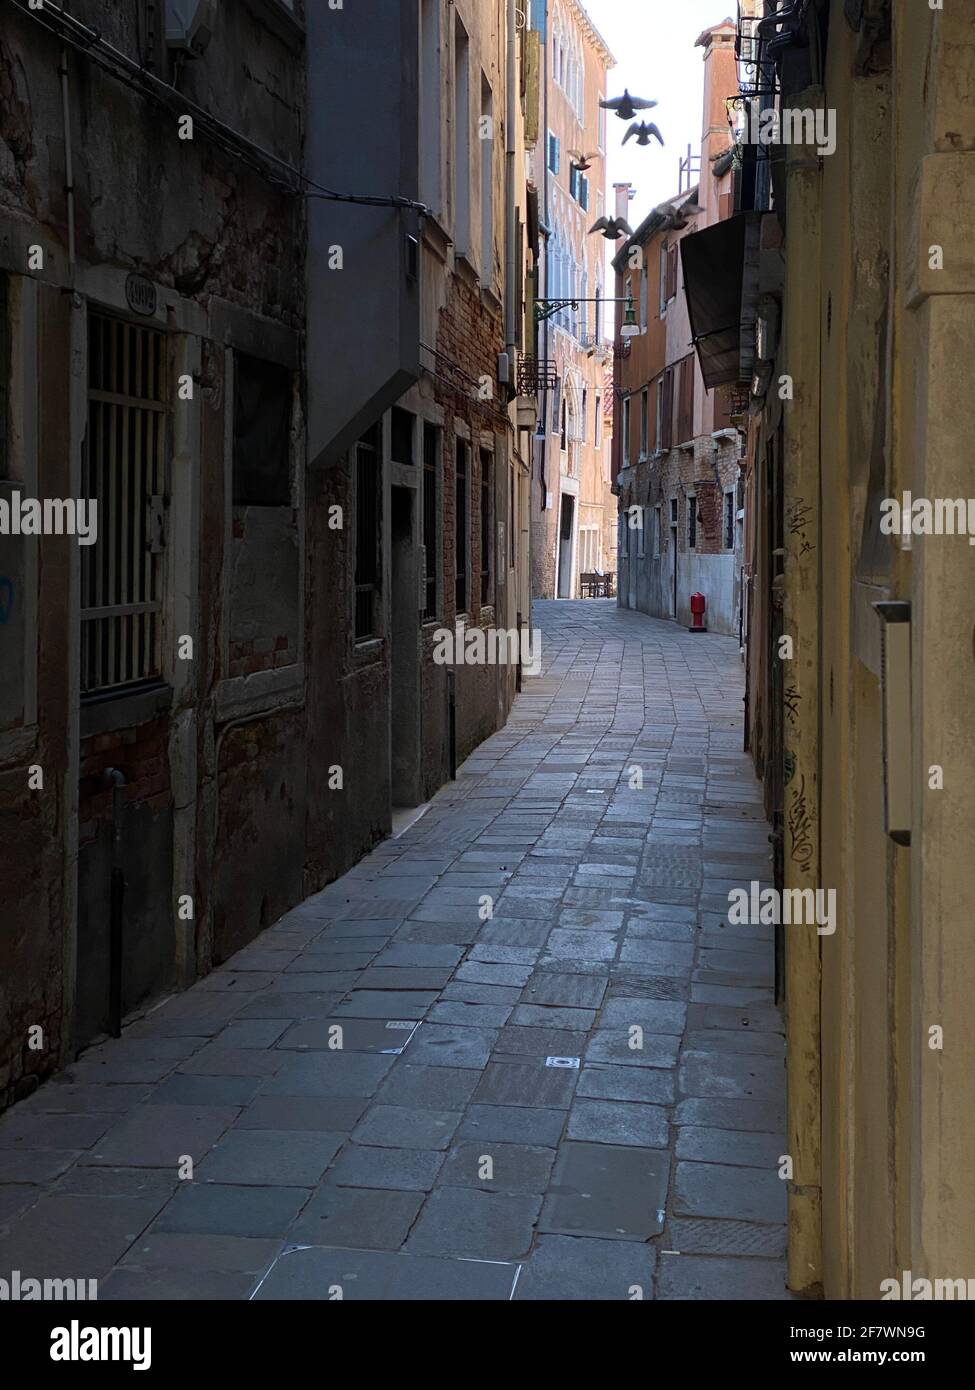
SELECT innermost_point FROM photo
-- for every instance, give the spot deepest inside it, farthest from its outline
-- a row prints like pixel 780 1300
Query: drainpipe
pixel 510 308
pixel 115 779
pixel 68 161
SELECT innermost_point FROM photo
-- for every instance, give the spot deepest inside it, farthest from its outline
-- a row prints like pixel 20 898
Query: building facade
pixel 676 450
pixel 854 284
pixel 573 514
pixel 278 350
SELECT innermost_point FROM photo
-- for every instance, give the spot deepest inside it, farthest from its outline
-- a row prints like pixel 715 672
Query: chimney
pixel 720 84
pixel 624 193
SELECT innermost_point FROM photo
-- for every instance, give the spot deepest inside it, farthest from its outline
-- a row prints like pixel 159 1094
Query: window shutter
pixel 671 271
pixel 668 431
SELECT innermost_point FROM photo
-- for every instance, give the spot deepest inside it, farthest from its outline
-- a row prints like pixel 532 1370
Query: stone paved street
pixel 545 908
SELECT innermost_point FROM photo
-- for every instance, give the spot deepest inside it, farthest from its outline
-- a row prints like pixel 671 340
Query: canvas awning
pixel 714 266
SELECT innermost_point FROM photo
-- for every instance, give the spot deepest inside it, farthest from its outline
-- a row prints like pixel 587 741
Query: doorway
pixel 566 527
pixel 404 731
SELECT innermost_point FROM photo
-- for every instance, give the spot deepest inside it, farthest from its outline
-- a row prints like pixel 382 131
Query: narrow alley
pixel 517 1052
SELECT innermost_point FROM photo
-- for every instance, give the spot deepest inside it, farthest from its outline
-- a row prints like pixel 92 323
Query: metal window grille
pixel 367 569
pixel 124 472
pixel 729 521
pixel 430 511
pixel 691 521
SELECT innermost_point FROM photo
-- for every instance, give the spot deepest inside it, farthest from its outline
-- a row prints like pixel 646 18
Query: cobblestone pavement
pixel 561 1073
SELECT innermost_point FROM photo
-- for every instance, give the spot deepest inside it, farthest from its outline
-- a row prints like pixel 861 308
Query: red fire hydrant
pixel 698 607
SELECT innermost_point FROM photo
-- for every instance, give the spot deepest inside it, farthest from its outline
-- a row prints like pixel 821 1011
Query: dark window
pixel 563 427
pixel 673 511
pixel 667 425
pixel 512 518
pixel 368 463
pixel 670 289
pixel 691 522
pixel 556 404
pixel 729 521
pixel 553 153
pixel 431 439
pixel 487 525
pixel 262 433
pixel 401 435
pixel 685 400
pixel 460 526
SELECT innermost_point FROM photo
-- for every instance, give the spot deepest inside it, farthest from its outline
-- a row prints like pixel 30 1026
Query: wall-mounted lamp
pixel 630 328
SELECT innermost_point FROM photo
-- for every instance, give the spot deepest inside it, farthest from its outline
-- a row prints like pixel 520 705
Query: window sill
pixel 368 652
pixel 124 709
pixel 17 745
pixel 281 19
pixel 264 692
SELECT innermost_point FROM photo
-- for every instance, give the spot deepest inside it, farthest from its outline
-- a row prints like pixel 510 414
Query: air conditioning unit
pixel 190 24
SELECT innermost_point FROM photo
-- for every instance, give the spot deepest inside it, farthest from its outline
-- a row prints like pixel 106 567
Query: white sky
pixel 653 44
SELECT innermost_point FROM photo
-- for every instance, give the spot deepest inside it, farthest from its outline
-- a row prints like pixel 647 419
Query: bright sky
pixel 653 44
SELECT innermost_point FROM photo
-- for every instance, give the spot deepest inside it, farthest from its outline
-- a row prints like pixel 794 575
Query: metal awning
pixel 714 265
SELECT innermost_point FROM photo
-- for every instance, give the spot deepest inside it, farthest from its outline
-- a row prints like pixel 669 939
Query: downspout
pixel 510 309
pixel 68 161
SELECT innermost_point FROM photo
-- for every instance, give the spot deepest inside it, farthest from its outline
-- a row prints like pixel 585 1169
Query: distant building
pixel 676 451
pixel 572 508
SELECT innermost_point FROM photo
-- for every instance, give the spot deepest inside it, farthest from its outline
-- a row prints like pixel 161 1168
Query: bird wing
pixel 624 227
pixel 641 104
pixel 599 225
pixel 652 130
pixel 612 103
pixel 633 130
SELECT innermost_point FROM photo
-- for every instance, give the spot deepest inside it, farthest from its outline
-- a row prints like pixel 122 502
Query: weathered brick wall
pixel 141 754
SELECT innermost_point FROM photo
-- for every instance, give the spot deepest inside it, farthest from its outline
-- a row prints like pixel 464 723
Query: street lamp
pixel 630 327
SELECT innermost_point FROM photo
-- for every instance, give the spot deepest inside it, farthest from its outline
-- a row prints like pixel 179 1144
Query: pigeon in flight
pixel 612 228
pixel 626 106
pixel 642 131
pixel 583 161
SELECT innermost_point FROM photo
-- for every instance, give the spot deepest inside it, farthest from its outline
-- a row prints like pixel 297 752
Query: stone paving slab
pixel 546 1104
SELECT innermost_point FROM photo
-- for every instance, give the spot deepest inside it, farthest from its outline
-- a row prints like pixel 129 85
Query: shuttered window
pixel 685 400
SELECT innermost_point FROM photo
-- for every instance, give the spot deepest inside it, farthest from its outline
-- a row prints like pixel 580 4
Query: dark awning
pixel 714 263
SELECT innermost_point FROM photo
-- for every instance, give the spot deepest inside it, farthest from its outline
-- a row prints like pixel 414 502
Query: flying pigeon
pixel 582 161
pixel 612 228
pixel 626 106
pixel 642 131
pixel 683 214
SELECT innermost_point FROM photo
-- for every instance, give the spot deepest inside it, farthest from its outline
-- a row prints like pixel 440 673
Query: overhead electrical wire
pixel 89 42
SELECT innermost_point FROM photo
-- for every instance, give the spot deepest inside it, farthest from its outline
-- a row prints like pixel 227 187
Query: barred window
pixel 124 474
